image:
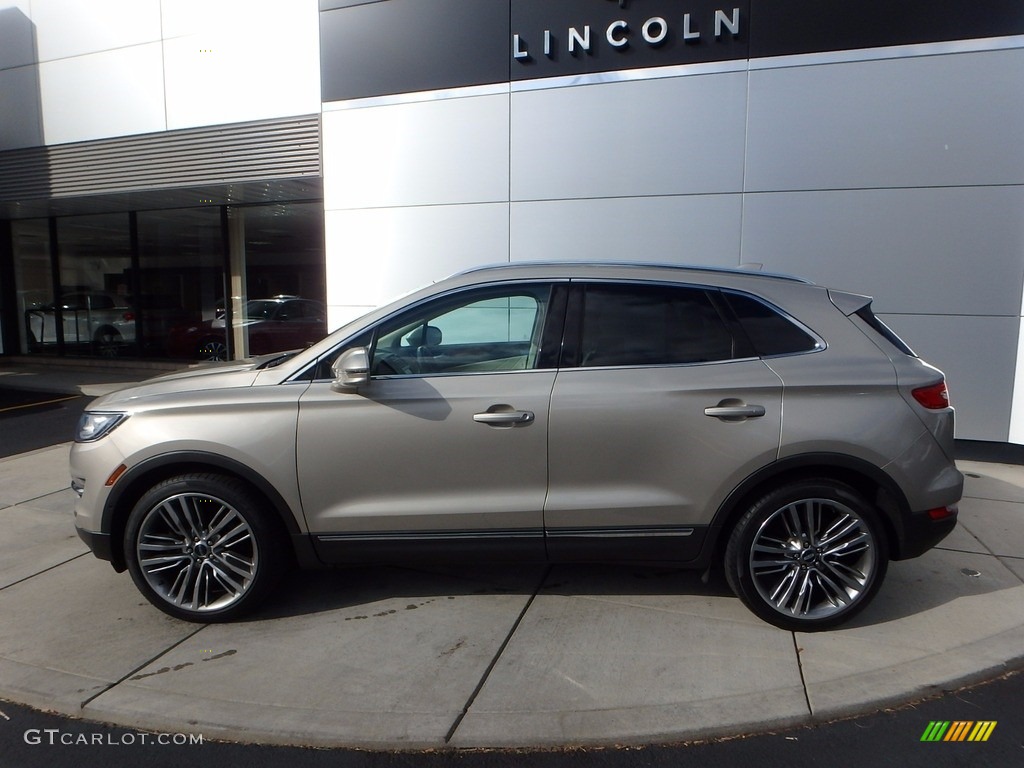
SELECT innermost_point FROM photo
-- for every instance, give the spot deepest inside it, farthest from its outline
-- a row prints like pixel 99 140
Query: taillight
pixel 128 316
pixel 934 396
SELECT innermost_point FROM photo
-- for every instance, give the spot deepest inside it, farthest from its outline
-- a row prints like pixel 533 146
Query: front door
pixel 446 447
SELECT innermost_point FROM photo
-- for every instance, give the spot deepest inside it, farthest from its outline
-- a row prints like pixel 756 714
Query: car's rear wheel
pixel 202 547
pixel 807 556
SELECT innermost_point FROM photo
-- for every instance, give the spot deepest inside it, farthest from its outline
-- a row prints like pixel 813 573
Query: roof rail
pixel 743 269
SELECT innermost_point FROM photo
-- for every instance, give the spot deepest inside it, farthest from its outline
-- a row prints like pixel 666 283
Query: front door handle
pixel 504 418
pixel 734 411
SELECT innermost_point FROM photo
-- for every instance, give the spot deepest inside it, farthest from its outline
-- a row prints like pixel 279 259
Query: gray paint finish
pixel 902 178
pixel 914 250
pixel 928 121
pixel 657 137
pixel 692 229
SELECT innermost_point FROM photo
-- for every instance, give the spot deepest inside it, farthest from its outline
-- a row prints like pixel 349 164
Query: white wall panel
pixel 66 28
pixel 17 35
pixel 941 120
pixel 375 255
pixel 939 251
pixel 235 61
pixel 114 93
pixel 426 153
pixel 692 229
pixel 1017 406
pixel 658 137
pixel 977 356
pixel 20 119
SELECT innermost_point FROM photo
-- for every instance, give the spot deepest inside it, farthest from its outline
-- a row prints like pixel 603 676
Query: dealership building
pixel 162 162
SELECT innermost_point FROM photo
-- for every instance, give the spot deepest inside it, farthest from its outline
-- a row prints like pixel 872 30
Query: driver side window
pixel 475 331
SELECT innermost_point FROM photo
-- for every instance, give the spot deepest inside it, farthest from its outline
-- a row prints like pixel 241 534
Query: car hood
pixel 205 377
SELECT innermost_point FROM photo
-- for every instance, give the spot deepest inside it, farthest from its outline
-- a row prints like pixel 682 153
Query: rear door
pixel 660 409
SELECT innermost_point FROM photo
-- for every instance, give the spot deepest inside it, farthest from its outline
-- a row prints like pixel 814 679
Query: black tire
pixel 107 342
pixel 203 547
pixel 807 556
pixel 213 349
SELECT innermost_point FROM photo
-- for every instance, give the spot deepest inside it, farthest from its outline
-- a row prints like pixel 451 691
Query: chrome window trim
pixel 822 345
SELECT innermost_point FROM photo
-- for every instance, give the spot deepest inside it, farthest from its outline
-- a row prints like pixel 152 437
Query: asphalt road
pixel 31 420
pixel 29 738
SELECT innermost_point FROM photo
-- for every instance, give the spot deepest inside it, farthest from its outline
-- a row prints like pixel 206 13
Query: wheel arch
pixel 865 478
pixel 131 486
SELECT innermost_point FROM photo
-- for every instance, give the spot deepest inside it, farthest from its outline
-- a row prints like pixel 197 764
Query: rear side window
pixel 771 332
pixel 651 325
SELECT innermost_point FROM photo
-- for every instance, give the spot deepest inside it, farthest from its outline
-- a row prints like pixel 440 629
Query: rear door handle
pixel 504 418
pixel 738 412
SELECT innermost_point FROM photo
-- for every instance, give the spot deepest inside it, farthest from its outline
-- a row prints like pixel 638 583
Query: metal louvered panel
pixel 272 149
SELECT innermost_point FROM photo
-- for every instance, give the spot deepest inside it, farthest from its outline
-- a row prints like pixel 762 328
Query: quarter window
pixel 770 332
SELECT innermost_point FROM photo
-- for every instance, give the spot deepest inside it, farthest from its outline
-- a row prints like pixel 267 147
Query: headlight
pixel 93 426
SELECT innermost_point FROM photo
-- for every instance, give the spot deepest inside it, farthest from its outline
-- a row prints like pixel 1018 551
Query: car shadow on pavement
pixel 911 588
pixel 310 592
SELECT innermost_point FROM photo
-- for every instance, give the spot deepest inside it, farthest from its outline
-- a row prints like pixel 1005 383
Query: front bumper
pixel 100 545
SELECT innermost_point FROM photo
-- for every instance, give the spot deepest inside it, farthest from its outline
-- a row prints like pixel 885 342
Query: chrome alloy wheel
pixel 197 552
pixel 813 558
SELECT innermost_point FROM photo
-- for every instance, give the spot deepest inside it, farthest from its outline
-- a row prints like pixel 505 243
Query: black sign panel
pixel 572 37
pixel 382 47
pixel 784 27
pixel 403 46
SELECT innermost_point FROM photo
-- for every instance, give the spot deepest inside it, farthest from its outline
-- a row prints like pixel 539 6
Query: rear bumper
pixel 921 532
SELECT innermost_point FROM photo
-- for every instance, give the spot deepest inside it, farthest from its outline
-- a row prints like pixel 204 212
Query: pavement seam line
pixel 43 496
pixel 45 570
pixel 143 665
pixel 982 554
pixel 803 680
pixel 498 654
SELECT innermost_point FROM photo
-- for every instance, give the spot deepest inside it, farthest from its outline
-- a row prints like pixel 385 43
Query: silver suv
pixel 540 412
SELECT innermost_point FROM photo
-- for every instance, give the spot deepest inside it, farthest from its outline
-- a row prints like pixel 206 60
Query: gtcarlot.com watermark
pixel 53 737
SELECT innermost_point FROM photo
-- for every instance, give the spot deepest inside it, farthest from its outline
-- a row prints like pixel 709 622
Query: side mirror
pixel 352 369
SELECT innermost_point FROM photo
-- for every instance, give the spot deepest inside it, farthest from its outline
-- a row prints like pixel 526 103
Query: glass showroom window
pixel 181 282
pixel 34 280
pixel 96 307
pixel 284 286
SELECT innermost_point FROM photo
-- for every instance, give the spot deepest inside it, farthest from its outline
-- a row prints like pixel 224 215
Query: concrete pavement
pixel 487 657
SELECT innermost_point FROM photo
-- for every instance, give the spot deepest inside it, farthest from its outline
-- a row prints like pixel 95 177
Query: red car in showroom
pixel 273 325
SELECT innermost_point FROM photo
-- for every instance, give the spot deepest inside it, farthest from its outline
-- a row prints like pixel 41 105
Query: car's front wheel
pixel 807 556
pixel 202 547
pixel 213 350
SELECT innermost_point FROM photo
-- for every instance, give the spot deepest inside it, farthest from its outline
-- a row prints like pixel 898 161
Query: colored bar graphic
pixel 982 730
pixel 935 731
pixel 958 730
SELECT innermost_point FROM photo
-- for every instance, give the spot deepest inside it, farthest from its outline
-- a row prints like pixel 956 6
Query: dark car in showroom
pixel 559 412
